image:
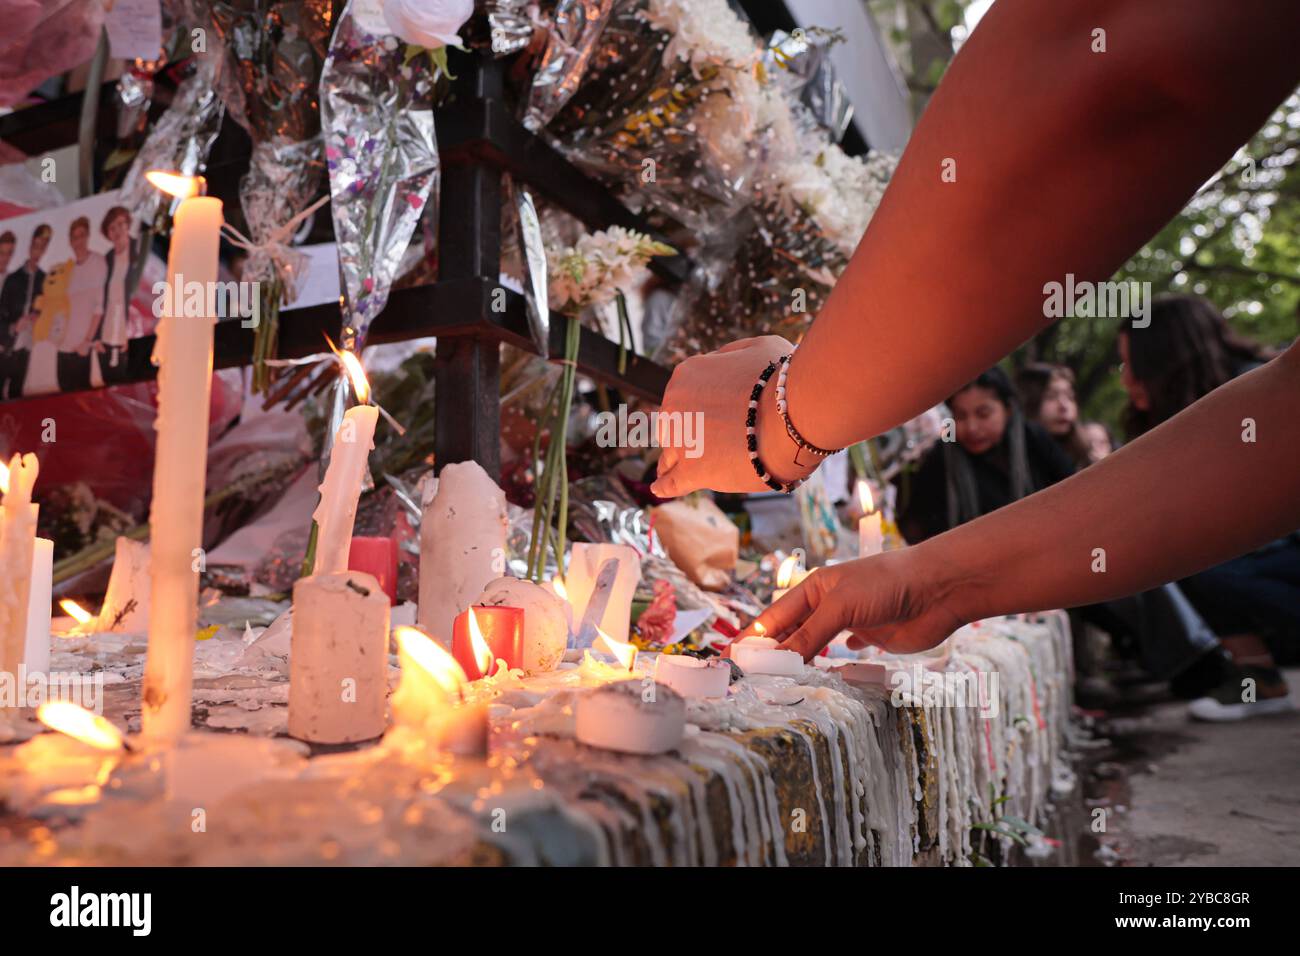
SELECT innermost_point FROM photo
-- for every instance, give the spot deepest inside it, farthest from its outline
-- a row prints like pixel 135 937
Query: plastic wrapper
pixel 668 110
pixel 180 140
pixel 380 148
pixel 800 65
pixel 573 33
pixel 510 25
pixel 43 38
pixel 271 55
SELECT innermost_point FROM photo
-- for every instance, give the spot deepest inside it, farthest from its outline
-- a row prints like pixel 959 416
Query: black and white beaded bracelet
pixel 751 431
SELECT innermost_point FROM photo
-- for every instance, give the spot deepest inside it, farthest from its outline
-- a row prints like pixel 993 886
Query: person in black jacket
pixel 990 457
pixel 18 296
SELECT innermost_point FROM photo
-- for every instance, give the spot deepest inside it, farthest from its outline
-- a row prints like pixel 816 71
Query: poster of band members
pixel 67 309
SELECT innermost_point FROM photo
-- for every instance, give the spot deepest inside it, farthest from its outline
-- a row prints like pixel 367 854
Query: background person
pixel 116 228
pixel 1047 396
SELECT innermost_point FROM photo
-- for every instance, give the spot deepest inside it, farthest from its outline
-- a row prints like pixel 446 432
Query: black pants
pixel 113 374
pixel 13 372
pixel 1257 593
pixel 73 371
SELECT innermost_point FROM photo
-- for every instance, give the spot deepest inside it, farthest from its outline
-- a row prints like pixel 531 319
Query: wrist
pixel 776 449
pixel 953 584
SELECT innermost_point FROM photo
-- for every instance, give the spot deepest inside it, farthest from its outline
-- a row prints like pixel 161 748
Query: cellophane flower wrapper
pixel 667 110
pixel 270 54
pixel 771 270
pixel 800 66
pixel 574 29
pixel 382 157
pixel 509 26
pixel 179 141
pixel 43 38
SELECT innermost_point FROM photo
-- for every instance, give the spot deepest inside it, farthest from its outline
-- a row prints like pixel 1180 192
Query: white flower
pixel 427 23
pixel 599 266
pixel 704 33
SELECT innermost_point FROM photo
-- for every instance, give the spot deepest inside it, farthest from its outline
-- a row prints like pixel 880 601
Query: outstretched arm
pixel 1214 481
pixel 1065 161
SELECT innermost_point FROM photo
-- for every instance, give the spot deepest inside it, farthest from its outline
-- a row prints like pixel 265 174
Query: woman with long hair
pixel 1048 398
pixel 1187 351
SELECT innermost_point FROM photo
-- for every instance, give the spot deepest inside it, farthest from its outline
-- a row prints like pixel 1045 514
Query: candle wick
pixel 364 592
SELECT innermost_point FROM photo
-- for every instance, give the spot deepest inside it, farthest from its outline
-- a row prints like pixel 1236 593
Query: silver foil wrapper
pixel 573 33
pixel 382 157
pixel 800 65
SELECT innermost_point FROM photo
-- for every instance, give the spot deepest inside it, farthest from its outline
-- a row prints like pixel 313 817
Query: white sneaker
pixel 1210 709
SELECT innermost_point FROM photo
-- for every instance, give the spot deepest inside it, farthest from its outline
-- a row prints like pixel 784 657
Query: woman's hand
pixel 900 601
pixel 712 391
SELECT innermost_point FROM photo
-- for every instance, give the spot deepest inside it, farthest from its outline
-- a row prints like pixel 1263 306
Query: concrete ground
pixel 1183 793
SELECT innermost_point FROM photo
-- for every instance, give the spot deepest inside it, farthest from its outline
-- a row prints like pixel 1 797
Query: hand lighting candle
pixel 183 352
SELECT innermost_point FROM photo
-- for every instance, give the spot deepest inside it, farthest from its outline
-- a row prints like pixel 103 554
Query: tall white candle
pixel 17 548
pixel 183 352
pixel 39 611
pixel 341 489
pixel 871 536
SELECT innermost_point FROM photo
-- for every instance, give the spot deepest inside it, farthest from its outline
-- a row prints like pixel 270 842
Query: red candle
pixel 483 635
pixel 376 556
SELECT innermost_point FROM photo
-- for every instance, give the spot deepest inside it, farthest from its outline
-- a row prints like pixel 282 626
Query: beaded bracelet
pixel 751 434
pixel 783 410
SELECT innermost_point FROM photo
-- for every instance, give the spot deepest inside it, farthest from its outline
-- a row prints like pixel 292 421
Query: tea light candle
pixel 693 677
pixel 338 658
pixel 761 655
pixel 871 536
pixel 481 636
pixel 426 696
pixel 629 717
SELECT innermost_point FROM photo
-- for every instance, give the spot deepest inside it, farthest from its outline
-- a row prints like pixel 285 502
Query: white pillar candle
pixel 183 352
pixel 761 655
pixel 338 658
pixel 39 612
pixel 692 677
pixel 17 550
pixel 341 489
pixel 585 561
pixel 126 602
pixel 462 545
pixel 630 718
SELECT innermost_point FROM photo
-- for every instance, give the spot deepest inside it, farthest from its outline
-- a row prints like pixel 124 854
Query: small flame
pixel 4 478
pixel 80 724
pixel 356 372
pixel 623 652
pixel 76 611
pixel 479 645
pixel 431 657
pixel 864 498
pixel 785 573
pixel 561 592
pixel 174 184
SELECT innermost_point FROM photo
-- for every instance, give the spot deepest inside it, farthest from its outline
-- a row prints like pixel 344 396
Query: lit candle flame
pixel 80 724
pixel 561 592
pixel 479 645
pixel 432 658
pixel 356 372
pixel 175 184
pixel 4 478
pixel 864 498
pixel 785 573
pixel 624 653
pixel 76 611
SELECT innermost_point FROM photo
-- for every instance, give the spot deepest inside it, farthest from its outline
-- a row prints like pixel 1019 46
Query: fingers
pixel 785 615
pixel 818 630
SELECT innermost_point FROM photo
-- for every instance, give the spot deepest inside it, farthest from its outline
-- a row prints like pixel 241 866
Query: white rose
pixel 427 23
